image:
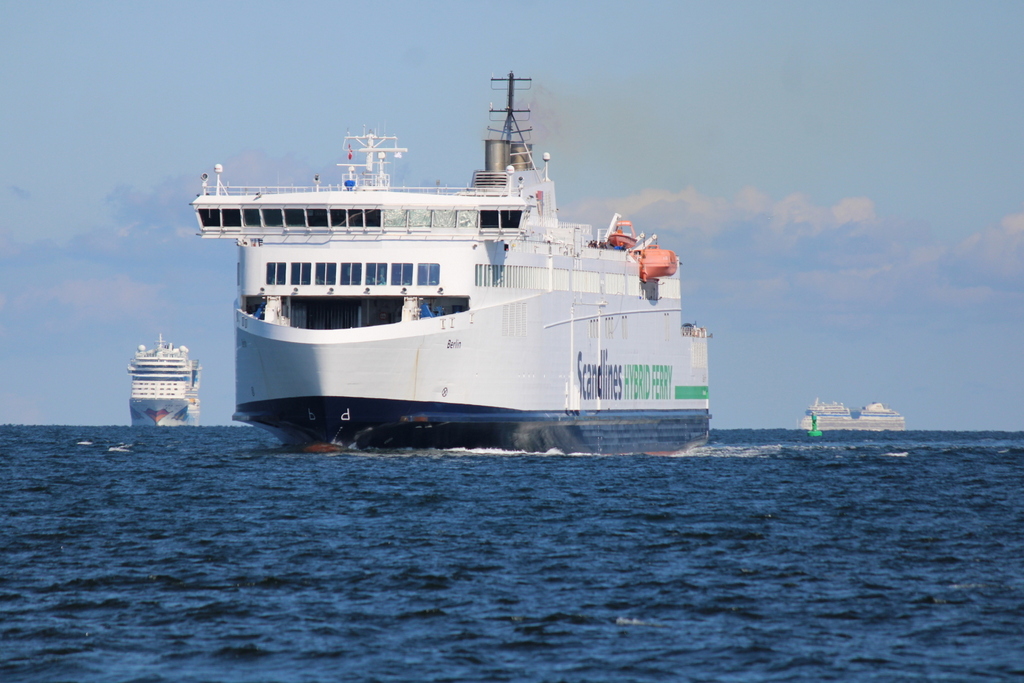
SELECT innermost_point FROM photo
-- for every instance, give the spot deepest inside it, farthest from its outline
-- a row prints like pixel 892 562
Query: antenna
pixel 511 127
pixel 373 146
pixel 511 146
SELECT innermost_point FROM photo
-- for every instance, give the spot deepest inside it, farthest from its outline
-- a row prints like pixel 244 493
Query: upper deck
pixel 485 184
pixel 336 211
pixel 511 197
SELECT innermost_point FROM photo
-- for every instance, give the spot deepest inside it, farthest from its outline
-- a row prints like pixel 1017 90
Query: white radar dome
pixel 184 349
pixel 142 347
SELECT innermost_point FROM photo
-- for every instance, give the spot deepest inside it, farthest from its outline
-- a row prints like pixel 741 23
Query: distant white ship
pixel 872 417
pixel 165 386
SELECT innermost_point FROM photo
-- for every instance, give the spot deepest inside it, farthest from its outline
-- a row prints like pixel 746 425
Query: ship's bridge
pixel 336 214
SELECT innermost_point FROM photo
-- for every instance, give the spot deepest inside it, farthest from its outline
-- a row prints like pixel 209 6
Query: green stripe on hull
pixel 691 392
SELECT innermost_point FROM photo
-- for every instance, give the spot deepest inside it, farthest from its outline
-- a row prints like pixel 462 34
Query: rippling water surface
pixel 213 554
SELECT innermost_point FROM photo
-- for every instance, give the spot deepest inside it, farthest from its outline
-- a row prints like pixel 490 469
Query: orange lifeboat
pixel 619 239
pixel 656 262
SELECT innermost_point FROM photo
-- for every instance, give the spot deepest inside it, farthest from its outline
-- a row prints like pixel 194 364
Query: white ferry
pixel 872 417
pixel 371 316
pixel 165 386
pixel 878 416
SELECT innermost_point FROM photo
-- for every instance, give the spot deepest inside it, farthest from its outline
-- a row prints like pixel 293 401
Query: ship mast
pixel 511 128
pixel 512 136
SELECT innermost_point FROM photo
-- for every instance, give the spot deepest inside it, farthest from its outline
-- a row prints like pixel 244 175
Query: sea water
pixel 215 554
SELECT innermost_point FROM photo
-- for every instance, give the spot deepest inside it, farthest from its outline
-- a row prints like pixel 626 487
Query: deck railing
pixel 253 190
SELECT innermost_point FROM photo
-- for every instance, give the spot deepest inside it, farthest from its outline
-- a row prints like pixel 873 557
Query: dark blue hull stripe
pixel 383 423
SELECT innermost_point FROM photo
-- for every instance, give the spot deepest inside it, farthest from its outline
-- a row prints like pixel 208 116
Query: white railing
pixel 252 190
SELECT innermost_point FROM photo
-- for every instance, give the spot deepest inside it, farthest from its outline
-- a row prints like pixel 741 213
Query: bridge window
pixel 355 218
pixel 232 218
pixel 317 218
pixel 251 217
pixel 210 218
pixel 468 219
pixel 376 273
pixel 444 218
pixel 401 274
pixel 500 219
pixel 272 218
pixel 295 218
pixel 326 273
pixel 511 219
pixel 419 218
pixel 351 274
pixel 301 271
pixel 428 273
pixel 275 273
pixel 395 218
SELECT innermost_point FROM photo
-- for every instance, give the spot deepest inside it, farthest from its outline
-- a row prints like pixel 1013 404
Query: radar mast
pixel 511 147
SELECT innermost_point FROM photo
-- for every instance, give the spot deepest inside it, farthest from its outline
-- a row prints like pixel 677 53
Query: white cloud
pixel 792 257
pixel 854 210
pixel 994 256
pixel 92 299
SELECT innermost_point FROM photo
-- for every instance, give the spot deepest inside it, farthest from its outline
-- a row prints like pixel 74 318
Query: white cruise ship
pixel 872 417
pixel 372 316
pixel 165 386
pixel 878 416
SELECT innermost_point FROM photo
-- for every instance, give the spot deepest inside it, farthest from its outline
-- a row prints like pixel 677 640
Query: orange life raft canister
pixel 656 262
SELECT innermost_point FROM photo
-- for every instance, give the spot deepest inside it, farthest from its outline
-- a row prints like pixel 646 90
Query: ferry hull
pixel 160 413
pixel 856 424
pixel 390 424
pixel 317 386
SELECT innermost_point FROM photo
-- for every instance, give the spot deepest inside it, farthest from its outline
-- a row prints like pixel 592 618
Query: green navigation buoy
pixel 814 431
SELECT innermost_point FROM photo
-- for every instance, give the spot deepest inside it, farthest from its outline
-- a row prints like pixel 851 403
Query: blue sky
pixel 844 182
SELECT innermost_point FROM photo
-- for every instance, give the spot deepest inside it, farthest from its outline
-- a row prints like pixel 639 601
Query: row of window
pixel 149 379
pixel 428 274
pixel 358 218
pixel 561 279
